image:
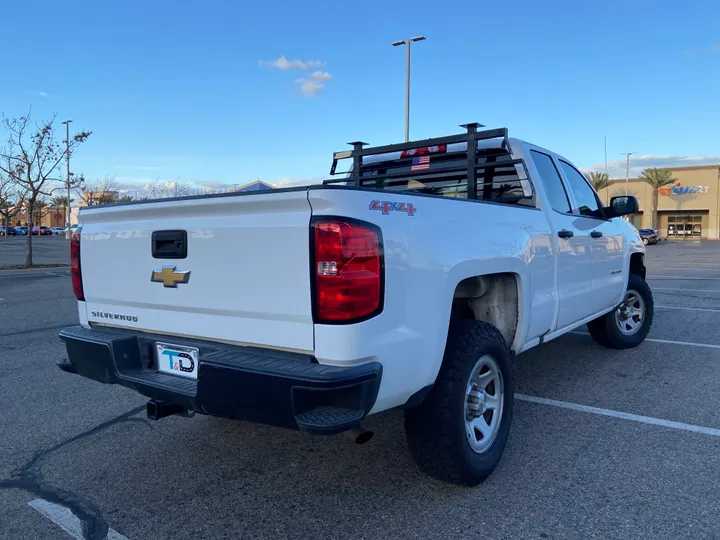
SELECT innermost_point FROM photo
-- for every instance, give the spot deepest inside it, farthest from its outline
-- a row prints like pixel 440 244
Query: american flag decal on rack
pixel 420 163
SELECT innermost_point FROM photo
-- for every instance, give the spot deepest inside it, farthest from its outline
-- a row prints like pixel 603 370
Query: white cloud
pixel 40 93
pixel 711 49
pixel 284 63
pixel 616 169
pixel 310 88
pixel 321 76
pixel 134 181
pixel 141 167
pixel 213 186
pixel 295 182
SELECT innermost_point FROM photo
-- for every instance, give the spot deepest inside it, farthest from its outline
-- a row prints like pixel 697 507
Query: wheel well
pixel 492 298
pixel 637 264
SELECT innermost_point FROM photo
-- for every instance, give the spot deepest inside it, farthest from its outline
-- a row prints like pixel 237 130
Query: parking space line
pixel 685 261
pixel 619 414
pixel 684 289
pixel 668 341
pixel 66 520
pixel 694 269
pixel 689 308
pixel 684 277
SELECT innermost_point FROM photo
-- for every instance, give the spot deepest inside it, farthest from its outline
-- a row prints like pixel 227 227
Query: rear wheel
pixel 459 431
pixel 628 325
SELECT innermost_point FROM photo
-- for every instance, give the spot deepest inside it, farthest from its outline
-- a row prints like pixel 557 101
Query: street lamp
pixel 627 169
pixel 407 43
pixel 68 233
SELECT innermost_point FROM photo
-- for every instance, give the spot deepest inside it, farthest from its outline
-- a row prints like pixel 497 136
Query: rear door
pixel 606 241
pixel 572 241
pixel 242 275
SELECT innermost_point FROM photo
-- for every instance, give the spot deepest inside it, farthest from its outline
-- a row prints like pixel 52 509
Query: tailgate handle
pixel 169 244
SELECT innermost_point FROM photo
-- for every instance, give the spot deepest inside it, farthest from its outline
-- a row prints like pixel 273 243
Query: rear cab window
pixel 495 182
pixel 441 166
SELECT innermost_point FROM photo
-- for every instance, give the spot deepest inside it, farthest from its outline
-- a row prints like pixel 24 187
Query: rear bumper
pixel 259 385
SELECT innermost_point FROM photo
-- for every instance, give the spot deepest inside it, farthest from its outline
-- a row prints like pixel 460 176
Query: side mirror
pixel 622 206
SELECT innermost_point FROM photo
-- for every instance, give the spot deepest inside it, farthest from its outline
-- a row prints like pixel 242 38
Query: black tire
pixel 435 430
pixel 605 331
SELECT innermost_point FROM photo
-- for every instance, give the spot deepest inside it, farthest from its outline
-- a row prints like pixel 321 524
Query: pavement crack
pixel 30 478
pixel 31 330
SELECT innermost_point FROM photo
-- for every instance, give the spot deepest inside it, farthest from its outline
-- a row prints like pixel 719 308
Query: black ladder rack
pixel 471 137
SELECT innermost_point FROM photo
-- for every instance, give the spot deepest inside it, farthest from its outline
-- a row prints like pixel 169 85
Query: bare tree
pixel 179 189
pixel 103 191
pixel 162 190
pixel 11 200
pixel 61 201
pixel 40 210
pixel 33 154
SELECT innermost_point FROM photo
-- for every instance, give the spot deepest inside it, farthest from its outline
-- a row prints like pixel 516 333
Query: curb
pixel 31 271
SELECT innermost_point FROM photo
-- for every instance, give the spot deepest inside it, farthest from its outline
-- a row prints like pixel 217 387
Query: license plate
pixel 177 360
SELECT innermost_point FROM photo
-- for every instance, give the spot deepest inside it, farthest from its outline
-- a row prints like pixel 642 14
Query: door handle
pixel 169 244
pixel 564 233
pixel 596 234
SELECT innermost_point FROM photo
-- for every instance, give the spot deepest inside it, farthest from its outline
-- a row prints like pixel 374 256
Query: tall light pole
pixel 607 177
pixel 68 233
pixel 407 43
pixel 627 168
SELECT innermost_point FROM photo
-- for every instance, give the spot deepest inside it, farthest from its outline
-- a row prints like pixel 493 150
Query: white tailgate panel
pixel 248 258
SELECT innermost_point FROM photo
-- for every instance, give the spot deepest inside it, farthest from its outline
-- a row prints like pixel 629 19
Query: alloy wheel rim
pixel 630 315
pixel 483 404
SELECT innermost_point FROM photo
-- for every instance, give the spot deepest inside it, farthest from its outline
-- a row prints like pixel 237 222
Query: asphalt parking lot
pixel 46 250
pixel 604 444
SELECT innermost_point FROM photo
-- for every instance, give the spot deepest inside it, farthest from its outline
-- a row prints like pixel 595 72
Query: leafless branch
pixel 30 158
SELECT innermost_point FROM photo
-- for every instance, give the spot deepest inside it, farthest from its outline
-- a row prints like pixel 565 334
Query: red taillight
pixel 348 270
pixel 75 270
pixel 424 151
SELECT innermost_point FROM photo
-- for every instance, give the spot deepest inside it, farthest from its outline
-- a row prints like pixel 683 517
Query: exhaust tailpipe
pixel 160 409
pixel 360 435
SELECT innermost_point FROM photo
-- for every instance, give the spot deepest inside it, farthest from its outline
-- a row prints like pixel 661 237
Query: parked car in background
pixel 22 230
pixel 57 230
pixel 10 231
pixel 41 230
pixel 649 236
pixel 73 228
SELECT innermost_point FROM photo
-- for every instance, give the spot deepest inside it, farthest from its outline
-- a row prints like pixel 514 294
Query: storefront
pixel 683 226
pixel 688 209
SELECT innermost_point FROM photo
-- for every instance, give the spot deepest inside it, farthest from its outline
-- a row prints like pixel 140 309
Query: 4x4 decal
pixel 389 206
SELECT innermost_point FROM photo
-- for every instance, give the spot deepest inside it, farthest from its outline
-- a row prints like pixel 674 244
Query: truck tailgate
pixel 247 258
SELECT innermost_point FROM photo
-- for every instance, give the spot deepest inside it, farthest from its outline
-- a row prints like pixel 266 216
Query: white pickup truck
pixel 411 281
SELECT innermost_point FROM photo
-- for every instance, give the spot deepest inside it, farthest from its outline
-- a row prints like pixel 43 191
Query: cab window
pixel 587 201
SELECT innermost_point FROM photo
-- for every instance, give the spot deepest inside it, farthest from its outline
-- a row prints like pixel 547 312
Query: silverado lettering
pixel 114 316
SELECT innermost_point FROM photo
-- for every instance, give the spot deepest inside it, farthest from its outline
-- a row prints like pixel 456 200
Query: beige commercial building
pixel 689 208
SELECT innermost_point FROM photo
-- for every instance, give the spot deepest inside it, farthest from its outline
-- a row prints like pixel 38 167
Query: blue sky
pixel 189 91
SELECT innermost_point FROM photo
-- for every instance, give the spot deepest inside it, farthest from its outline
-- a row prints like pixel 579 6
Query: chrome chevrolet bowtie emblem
pixel 169 277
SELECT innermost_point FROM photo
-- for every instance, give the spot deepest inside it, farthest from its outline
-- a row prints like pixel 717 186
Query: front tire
pixel 458 433
pixel 628 325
